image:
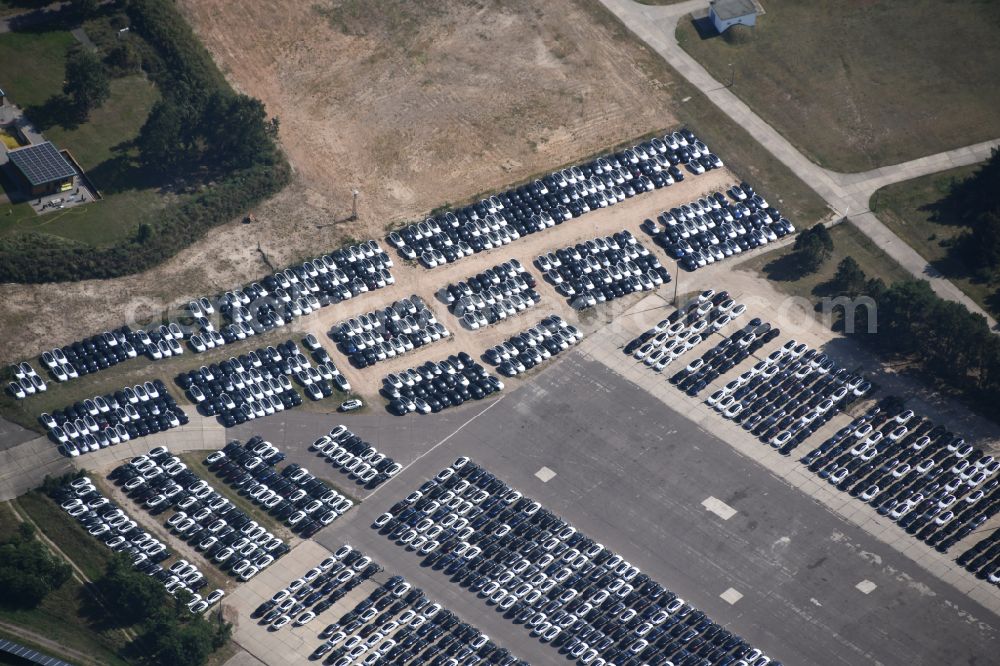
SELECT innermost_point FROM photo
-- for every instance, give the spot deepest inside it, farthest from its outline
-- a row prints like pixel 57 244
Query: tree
pixel 86 82
pixel 28 571
pixel 977 194
pixel 132 596
pixel 982 245
pixel 849 279
pixel 124 57
pixel 160 138
pixel 813 247
pixel 144 233
pixel 236 130
pixel 85 7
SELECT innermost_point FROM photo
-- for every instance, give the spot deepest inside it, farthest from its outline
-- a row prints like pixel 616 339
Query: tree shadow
pixel 787 268
pixel 56 111
pixel 827 288
pixel 67 17
pixel 993 303
pixel 96 614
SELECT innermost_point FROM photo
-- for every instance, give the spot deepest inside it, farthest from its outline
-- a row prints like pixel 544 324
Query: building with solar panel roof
pixel 42 169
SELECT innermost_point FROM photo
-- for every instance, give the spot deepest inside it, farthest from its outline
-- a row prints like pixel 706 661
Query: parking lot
pixel 774 556
pixel 809 585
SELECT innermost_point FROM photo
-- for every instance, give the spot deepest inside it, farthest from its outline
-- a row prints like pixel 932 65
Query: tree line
pixel 201 130
pixel 28 571
pixel 975 203
pixel 168 634
pixel 909 322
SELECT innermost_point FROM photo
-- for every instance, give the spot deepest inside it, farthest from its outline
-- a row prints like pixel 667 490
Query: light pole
pixel 677 281
pixel 354 205
pixel 732 75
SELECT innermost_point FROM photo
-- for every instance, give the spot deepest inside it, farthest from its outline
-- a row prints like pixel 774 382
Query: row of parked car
pixel 602 269
pixel 434 386
pixel 396 624
pixel 713 228
pixel 568 590
pixel 724 356
pixel 523 351
pixel 983 558
pixel 258 383
pixel 553 199
pixel 201 516
pixel 105 520
pixel 293 495
pixel 684 329
pixel 496 293
pixel 934 484
pixel 355 457
pixel 107 349
pixel 788 396
pixel 392 331
pixel 25 381
pixel 293 292
pixel 103 421
pixel 316 590
pixel 234 315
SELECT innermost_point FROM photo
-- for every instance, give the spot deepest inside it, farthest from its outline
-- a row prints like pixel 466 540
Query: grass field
pixel 34 65
pixel 740 151
pixel 908 208
pixel 857 85
pixel 101 223
pixel 747 158
pixel 63 614
pixel 117 121
pixel 848 241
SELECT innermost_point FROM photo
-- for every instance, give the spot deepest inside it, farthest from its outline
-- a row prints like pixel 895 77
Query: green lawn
pixel 100 223
pixel 848 241
pixel 33 65
pixel 116 121
pixel 8 521
pixel 908 208
pixel 62 615
pixel 747 158
pixel 857 85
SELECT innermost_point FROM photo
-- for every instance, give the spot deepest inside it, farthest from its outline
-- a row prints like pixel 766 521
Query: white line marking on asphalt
pixel 428 451
pixel 719 508
pixel 731 596
pixel 866 586
pixel 545 474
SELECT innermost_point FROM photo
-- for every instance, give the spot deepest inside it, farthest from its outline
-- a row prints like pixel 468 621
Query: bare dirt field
pixel 420 102
pixel 416 104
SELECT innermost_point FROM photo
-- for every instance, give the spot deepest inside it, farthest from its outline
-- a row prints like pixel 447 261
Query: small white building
pixel 727 13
